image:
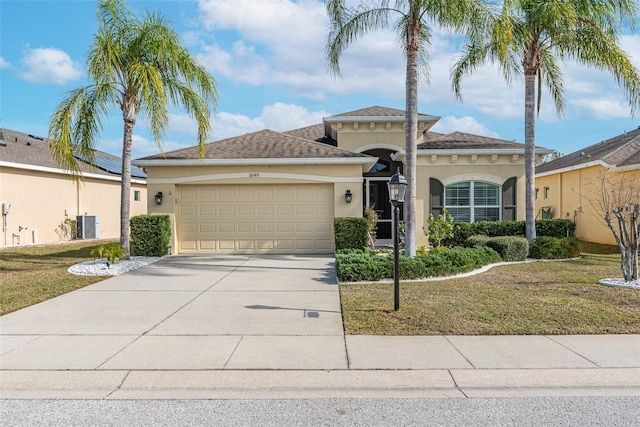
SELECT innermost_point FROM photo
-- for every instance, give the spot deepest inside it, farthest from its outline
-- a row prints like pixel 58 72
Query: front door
pixel 377 198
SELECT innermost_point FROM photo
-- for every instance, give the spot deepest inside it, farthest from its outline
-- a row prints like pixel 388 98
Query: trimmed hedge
pixel 510 248
pixel 365 265
pixel 477 240
pixel 547 227
pixel 553 248
pixel 351 233
pixel 150 235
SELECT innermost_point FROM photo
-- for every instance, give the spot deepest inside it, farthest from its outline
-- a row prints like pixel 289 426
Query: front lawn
pixel 32 274
pixel 559 297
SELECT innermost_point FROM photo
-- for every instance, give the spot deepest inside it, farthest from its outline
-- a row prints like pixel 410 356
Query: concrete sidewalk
pixel 271 326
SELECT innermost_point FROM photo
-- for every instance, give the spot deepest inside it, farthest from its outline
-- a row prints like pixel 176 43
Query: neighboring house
pixel 45 200
pixel 278 192
pixel 565 186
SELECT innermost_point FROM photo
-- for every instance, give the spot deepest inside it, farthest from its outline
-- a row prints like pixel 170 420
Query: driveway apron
pixel 188 313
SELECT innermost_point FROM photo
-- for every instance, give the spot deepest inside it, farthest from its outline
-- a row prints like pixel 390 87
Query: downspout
pixel 77 197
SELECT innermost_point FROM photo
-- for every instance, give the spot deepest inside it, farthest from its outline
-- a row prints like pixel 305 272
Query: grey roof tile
pixel 313 133
pixel 467 141
pixel 32 150
pixel 375 111
pixel 264 144
pixel 621 150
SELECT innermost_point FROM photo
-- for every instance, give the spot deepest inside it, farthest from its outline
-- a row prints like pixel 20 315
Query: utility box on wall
pixel 87 227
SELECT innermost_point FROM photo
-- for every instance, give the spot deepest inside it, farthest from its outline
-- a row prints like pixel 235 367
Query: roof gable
pixel 377 111
pixel 264 144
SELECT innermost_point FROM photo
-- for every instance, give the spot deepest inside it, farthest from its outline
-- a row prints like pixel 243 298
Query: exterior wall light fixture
pixel 158 197
pixel 348 197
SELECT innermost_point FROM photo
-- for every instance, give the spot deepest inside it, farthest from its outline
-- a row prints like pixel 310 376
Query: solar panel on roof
pixel 113 166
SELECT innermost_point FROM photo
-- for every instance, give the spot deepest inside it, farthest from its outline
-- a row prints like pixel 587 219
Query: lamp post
pixel 397 187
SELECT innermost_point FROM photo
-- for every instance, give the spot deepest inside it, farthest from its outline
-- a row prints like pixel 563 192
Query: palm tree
pixel 530 36
pixel 414 34
pixel 136 65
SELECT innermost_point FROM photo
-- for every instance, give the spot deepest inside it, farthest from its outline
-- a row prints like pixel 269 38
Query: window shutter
pixel 509 199
pixel 436 197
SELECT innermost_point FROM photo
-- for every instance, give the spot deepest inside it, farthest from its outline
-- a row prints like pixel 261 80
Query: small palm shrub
pixel 111 251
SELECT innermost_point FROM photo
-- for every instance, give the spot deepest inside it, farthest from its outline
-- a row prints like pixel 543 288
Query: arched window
pixel 473 201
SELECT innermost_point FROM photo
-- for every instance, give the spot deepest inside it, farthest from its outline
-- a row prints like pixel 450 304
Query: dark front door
pixel 378 199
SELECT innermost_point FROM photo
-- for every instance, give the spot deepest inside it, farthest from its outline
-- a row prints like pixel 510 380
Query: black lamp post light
pixel 397 188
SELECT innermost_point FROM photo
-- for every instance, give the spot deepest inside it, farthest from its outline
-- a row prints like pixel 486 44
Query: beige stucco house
pixel 279 192
pixel 44 198
pixel 566 186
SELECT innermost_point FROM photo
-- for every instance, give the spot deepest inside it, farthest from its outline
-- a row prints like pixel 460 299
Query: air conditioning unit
pixel 87 227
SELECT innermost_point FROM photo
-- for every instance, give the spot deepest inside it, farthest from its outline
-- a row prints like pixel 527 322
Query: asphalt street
pixel 557 411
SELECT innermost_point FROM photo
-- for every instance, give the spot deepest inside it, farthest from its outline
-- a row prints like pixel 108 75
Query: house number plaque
pixel 254 174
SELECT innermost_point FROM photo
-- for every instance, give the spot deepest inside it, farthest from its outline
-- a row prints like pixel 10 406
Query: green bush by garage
pixel 150 235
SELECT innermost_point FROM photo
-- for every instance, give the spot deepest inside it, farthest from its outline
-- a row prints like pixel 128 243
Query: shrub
pixel 351 233
pixel 548 227
pixel 477 240
pixel 355 265
pixel 111 251
pixel 559 228
pixel 571 247
pixel 150 235
pixel 440 228
pixel 372 219
pixel 457 260
pixel 510 248
pixel 545 247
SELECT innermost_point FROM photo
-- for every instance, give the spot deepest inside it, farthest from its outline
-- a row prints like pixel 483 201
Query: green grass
pixel 560 297
pixel 32 274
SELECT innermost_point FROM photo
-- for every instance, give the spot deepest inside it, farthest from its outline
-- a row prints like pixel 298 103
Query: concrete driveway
pixel 271 326
pixel 188 312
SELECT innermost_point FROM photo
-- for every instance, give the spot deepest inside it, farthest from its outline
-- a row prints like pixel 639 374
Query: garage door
pixel 255 218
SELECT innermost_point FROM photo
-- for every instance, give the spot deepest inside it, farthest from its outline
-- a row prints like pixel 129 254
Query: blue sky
pixel 268 59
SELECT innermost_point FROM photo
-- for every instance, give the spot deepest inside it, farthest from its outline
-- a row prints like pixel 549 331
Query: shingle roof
pixel 31 150
pixel 264 144
pixel 621 150
pixel 313 133
pixel 375 111
pixel 467 141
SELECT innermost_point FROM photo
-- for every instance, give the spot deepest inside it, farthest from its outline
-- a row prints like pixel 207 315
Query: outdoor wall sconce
pixel 158 198
pixel 348 197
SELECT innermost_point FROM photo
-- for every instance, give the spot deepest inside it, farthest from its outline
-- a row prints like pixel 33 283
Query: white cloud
pixel 465 124
pixel 281 43
pixel 279 117
pixel 4 63
pixel 49 65
pixel 140 146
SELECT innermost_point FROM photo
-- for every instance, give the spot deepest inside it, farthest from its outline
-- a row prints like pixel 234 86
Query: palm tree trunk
pixel 529 153
pixel 411 130
pixel 125 189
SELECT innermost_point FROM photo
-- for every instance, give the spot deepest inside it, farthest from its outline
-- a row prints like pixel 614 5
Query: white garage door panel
pixel 256 219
